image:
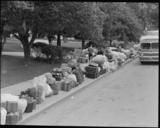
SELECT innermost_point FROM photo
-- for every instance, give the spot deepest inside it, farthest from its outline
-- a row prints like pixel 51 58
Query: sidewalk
pixel 15 89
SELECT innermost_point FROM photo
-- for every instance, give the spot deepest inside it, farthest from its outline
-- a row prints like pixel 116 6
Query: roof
pixel 149 37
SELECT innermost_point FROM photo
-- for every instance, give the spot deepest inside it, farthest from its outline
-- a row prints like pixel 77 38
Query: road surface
pixel 128 97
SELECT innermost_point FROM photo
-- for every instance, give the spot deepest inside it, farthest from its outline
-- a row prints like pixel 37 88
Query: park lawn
pixel 13 69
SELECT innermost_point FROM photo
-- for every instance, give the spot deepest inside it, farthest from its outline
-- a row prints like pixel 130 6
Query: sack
pixel 50 80
pixel 3 115
pixel 99 59
pixel 72 77
pixel 79 75
pixel 40 95
pixel 72 64
pixel 42 81
pixel 112 66
pixel 83 67
pixel 8 97
pixel 106 66
pixel 22 104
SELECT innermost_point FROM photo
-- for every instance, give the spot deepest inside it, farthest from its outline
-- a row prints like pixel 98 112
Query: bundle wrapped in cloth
pixel 127 52
pixel 42 81
pixel 52 83
pixel 99 59
pixel 73 63
pixel 113 66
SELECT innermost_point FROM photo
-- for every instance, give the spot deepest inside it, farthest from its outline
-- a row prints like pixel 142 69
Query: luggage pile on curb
pixel 68 76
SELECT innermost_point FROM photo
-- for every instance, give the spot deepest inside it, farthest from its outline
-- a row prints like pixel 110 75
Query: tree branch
pixel 16 36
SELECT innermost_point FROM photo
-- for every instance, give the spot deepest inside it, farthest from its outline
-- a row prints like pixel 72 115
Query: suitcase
pixel 68 85
pixel 12 118
pixel 93 76
pixel 12 106
pixel 82 60
pixel 92 71
pixel 103 71
pixel 20 113
pixel 31 105
pixel 59 84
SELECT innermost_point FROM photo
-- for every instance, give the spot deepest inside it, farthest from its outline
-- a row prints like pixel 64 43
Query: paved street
pixel 128 97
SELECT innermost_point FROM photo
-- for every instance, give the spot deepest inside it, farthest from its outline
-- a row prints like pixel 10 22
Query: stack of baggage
pixel 92 70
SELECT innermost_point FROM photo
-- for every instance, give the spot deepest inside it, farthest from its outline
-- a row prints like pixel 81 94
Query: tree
pixel 121 23
pixel 21 19
pixel 148 14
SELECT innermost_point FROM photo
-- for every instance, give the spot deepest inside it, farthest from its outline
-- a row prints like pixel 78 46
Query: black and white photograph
pixel 79 63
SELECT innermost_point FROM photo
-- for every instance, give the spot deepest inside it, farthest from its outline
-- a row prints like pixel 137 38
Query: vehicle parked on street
pixel 36 49
pixel 149 48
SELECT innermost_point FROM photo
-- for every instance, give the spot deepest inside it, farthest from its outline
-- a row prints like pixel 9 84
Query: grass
pixel 13 68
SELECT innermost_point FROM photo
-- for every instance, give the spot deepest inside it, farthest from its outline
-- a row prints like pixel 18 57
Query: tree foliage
pixel 94 21
pixel 121 23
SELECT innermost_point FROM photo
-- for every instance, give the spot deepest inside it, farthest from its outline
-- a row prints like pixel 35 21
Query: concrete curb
pixel 64 95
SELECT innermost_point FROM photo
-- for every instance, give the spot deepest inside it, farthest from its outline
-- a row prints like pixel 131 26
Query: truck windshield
pixel 154 45
pixel 145 45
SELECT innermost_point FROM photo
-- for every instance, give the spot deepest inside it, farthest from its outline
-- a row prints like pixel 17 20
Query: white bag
pixel 42 81
pixel 99 59
pixel 8 97
pixel 106 66
pixel 3 116
pixel 22 104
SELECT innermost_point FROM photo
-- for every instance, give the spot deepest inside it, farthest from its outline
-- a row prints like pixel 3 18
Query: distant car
pixel 36 49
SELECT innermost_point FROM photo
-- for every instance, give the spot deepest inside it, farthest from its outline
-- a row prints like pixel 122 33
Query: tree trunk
pixel 58 39
pixel 59 46
pixel 83 43
pixel 49 38
pixel 26 48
